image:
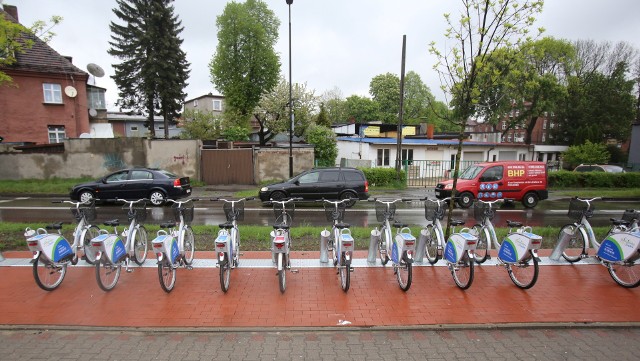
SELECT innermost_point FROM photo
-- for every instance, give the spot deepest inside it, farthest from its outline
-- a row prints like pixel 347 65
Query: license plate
pixel 437 193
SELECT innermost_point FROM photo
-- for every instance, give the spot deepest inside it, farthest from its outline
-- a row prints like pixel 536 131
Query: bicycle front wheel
pixel 189 245
pixel 577 244
pixel 89 234
pixel 282 272
pixel 404 271
pixel 167 275
pixel 626 274
pixel 48 275
pixel 385 238
pixel 482 245
pixel 107 274
pixel 345 274
pixel 225 274
pixel 524 274
pixel 431 246
pixel 139 245
pixel 463 271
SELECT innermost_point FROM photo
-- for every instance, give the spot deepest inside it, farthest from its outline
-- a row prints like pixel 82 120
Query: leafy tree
pixel 201 125
pixel 325 144
pixel 154 70
pixel 322 118
pixel 235 133
pixel 16 39
pixel 417 98
pixel 483 27
pixel 385 90
pixel 245 66
pixel 361 109
pixel 587 153
pixel 272 112
pixel 334 105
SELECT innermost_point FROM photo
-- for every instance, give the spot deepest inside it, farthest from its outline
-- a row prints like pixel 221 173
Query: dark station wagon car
pixel 154 184
pixel 318 183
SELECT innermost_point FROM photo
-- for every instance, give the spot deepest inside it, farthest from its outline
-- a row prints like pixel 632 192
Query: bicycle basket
pixel 279 209
pixel 383 213
pixel 577 209
pixel 432 210
pixel 234 213
pixel 334 214
pixel 186 211
pixel 88 211
pixel 482 210
pixel 137 211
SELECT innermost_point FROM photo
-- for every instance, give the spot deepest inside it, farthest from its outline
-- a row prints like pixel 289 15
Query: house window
pixel 383 157
pixel 56 133
pixel 544 124
pixel 217 105
pixel 509 138
pixel 195 103
pixel 96 98
pixel 134 128
pixel 407 155
pixel 52 93
pixel 544 137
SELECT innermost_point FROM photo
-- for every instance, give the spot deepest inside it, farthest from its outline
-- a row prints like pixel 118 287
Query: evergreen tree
pixel 322 118
pixel 154 70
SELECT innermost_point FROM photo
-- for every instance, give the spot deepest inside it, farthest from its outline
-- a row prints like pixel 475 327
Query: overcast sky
pixel 335 43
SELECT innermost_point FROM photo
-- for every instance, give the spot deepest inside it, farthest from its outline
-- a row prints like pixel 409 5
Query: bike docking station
pixel 373 246
pixel 324 248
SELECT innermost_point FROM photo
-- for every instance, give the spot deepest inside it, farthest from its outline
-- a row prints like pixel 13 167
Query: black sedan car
pixel 136 183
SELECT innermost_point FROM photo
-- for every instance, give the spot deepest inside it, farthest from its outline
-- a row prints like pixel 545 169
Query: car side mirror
pixel 296 182
pixel 104 180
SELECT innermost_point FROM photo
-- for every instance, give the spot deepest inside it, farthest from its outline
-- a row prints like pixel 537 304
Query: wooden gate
pixel 227 166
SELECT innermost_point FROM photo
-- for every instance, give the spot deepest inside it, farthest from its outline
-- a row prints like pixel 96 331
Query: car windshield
pixel 613 168
pixel 471 172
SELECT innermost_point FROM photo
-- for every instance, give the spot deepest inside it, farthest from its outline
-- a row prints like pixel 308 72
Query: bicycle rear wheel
pixel 482 245
pixel 463 271
pixel 282 272
pixel 524 274
pixel 225 274
pixel 48 275
pixel 345 274
pixel 167 275
pixel 189 245
pixel 89 253
pixel 626 275
pixel 431 246
pixel 385 238
pixel 404 273
pixel 576 246
pixel 140 245
pixel 107 274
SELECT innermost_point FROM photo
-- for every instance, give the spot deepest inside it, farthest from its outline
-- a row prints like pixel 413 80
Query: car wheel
pixel 156 198
pixel 347 195
pixel 465 200
pixel 85 196
pixel 530 200
pixel 277 195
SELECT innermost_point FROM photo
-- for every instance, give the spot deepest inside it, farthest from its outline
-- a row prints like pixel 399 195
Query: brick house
pixel 47 100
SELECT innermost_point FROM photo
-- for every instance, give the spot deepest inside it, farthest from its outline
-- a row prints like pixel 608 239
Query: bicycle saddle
pixel 168 224
pixel 227 225
pixel 397 224
pixel 280 226
pixel 342 225
pixel 112 223
pixel 56 226
pixel 514 224
pixel 457 222
pixel 619 222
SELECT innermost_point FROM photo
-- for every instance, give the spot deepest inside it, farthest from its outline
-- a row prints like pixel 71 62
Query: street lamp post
pixel 289 2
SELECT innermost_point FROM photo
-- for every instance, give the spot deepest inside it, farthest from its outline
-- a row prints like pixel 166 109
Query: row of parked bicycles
pixel 174 245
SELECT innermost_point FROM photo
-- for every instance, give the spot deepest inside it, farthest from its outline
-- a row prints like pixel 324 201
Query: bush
pixel 568 179
pixel 384 177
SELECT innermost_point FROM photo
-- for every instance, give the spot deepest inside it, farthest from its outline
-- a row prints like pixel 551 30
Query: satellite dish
pixel 70 91
pixel 93 112
pixel 95 70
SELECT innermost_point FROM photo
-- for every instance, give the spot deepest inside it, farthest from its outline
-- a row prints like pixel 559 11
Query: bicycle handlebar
pixel 587 200
pixel 77 204
pixel 215 199
pixel 285 201
pixel 131 203
pixel 179 203
pixel 389 201
pixel 335 202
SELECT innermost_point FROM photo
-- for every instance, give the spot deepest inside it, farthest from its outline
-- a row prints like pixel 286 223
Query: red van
pixel 517 180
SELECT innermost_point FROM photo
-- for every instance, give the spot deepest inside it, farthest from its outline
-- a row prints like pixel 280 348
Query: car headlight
pixel 264 189
pixel 448 186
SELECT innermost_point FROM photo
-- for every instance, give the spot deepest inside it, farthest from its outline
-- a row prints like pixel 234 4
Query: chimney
pixel 11 10
pixel 430 129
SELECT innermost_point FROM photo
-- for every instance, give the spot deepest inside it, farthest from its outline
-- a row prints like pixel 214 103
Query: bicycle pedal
pixel 189 267
pixel 129 270
pixel 351 269
pixel 294 270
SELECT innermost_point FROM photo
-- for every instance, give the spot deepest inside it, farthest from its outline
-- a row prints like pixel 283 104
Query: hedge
pixel 568 179
pixel 384 177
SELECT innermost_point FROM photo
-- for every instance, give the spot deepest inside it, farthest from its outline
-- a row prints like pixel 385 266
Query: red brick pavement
pixel 573 294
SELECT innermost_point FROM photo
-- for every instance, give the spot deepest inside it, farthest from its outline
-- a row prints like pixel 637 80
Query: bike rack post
pixel 561 245
pixel 373 246
pixel 1 257
pixel 324 239
pixel 422 240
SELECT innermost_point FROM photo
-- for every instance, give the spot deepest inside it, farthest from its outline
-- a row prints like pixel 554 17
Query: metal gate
pixel 423 173
pixel 227 166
